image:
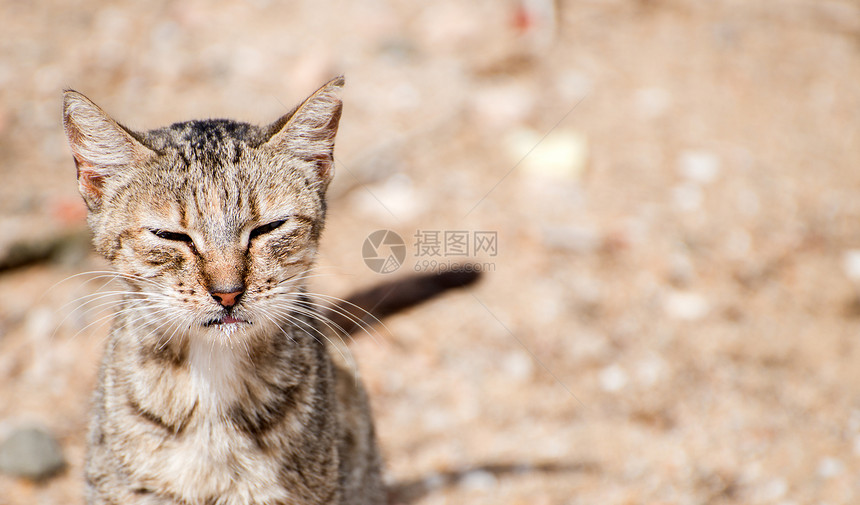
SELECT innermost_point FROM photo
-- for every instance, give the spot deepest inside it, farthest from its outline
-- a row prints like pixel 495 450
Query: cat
pixel 220 384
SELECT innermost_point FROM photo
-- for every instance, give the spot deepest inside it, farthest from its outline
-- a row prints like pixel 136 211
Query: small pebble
pixel 686 306
pixel 573 85
pixel 40 323
pixel 650 370
pixel 830 467
pixel 559 155
pixel 479 480
pixel 772 490
pixel 434 482
pixel 31 453
pixel 501 105
pixel 681 269
pixel 851 264
pixel 395 196
pixel 699 167
pixel 613 378
pixel 572 238
pixel 590 347
pixel 518 366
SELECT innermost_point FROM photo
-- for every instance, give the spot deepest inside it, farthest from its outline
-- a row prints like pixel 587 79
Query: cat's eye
pixel 170 235
pixel 266 228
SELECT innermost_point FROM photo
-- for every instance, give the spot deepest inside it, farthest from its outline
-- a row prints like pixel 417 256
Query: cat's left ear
pixel 308 131
pixel 100 145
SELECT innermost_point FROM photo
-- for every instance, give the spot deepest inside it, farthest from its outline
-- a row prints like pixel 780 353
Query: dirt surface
pixel 671 315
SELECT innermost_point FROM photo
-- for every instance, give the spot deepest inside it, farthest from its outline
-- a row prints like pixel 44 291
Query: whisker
pixel 112 275
pixel 360 321
pixel 92 297
pixel 147 315
pixel 265 314
pixel 307 274
pixel 175 320
pixel 286 314
pixel 337 329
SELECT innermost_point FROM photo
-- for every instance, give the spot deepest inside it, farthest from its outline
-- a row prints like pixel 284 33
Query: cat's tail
pixel 365 307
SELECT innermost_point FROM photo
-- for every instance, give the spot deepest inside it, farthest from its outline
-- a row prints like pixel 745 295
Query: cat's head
pixel 210 223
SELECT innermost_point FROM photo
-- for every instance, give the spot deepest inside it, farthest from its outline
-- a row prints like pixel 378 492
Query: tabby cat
pixel 218 385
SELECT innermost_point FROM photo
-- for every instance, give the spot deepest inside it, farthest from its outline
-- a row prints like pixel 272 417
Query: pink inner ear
pixel 90 181
pixel 325 165
pixel 326 168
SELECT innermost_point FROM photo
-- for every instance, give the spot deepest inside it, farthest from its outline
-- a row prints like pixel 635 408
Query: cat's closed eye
pixel 174 236
pixel 266 228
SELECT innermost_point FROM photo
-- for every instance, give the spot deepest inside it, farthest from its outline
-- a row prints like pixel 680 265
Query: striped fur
pixel 200 403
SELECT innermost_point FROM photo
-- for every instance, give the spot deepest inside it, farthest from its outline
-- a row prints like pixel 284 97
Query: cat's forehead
pixel 223 210
pixel 206 141
pixel 211 171
pixel 217 159
pixel 231 192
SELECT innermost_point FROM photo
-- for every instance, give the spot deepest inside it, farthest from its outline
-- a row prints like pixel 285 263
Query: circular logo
pixel 383 251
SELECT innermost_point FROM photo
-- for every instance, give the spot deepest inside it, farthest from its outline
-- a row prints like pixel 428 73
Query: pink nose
pixel 227 299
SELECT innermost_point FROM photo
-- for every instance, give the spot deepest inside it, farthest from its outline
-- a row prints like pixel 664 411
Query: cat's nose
pixel 228 299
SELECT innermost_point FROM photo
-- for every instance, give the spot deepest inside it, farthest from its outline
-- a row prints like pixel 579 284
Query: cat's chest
pixel 215 376
pixel 200 452
pixel 212 460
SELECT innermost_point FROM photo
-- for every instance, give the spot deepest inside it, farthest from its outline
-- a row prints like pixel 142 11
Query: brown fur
pixel 193 407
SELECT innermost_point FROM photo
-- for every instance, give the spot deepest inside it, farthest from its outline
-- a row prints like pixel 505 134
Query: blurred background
pixel 670 314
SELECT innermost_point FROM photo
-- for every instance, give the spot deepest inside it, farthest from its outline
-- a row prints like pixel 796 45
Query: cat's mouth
pixel 226 319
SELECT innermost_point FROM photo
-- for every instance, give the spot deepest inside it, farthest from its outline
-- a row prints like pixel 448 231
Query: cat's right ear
pixel 100 145
pixel 308 131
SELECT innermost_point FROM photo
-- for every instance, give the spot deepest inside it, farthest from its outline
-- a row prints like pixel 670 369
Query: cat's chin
pixel 219 330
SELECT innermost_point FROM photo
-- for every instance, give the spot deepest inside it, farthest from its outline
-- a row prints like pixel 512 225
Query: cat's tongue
pixel 231 319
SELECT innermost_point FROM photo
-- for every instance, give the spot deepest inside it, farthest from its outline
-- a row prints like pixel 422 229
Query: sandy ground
pixel 671 314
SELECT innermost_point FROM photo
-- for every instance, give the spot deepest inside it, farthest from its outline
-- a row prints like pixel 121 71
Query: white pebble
pixel 830 467
pixel 613 378
pixel 576 239
pixel 518 365
pixel 561 154
pixel 395 196
pixel 700 167
pixel 40 323
pixel 501 105
pixel 572 85
pixel 590 347
pixel 479 480
pixel 851 264
pixel 686 306
pixel 681 269
pixel 434 481
pixel 772 490
pixel 650 370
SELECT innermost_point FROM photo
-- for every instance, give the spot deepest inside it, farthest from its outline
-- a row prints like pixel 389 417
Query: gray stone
pixel 479 480
pixel 32 453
